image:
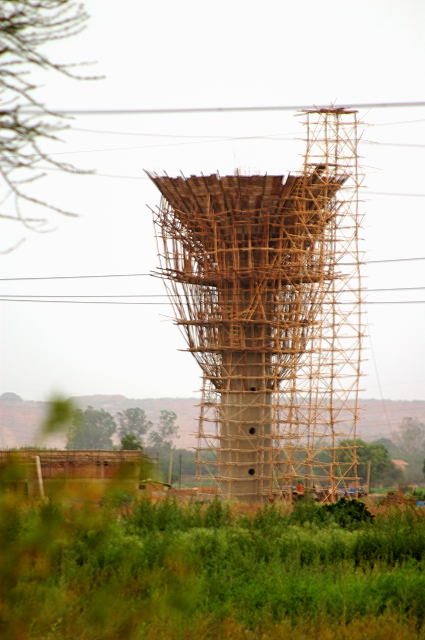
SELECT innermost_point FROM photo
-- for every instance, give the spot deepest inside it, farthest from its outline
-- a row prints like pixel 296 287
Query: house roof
pixel 400 463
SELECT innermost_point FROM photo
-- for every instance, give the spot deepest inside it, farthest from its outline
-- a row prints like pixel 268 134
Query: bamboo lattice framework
pixel 263 273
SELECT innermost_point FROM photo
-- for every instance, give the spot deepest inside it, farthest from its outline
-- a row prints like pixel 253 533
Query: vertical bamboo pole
pixel 39 477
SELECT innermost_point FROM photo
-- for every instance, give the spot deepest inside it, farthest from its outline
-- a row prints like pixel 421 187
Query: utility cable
pixel 124 177
pixel 393 260
pixel 237 109
pixel 378 380
pixel 212 139
pixel 171 296
pixel 112 275
pixel 182 136
pixel 396 194
pixel 169 144
pixel 392 144
pixel 385 124
pixel 37 300
pixel 172 135
pixel 153 275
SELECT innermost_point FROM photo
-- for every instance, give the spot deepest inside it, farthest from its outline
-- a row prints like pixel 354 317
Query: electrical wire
pixel 393 302
pixel 170 144
pixel 378 380
pixel 393 144
pixel 111 275
pixel 114 302
pixel 124 177
pixel 83 301
pixel 397 195
pixel 200 110
pixel 121 177
pixel 168 296
pixel 270 136
pixel 215 139
pixel 175 135
pixel 153 275
pixel 385 124
pixel 393 260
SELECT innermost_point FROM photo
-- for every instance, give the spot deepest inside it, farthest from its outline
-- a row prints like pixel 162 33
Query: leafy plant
pixel 349 513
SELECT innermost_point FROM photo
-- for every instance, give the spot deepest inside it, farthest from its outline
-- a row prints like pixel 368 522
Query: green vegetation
pixel 95 428
pixel 383 470
pixel 134 570
pixel 408 443
pixel 9 396
pixel 130 441
pixel 91 429
pixel 138 570
pixel 133 423
pixel 184 466
pixel 162 437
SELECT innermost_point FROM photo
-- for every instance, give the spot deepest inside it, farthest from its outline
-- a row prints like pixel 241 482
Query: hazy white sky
pixel 191 53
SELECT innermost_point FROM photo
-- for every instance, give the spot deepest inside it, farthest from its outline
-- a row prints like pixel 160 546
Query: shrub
pixel 349 513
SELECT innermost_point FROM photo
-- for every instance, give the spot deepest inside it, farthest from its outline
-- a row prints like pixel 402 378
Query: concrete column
pixel 244 455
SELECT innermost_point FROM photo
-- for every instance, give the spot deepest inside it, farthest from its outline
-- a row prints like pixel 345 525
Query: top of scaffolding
pixel 232 193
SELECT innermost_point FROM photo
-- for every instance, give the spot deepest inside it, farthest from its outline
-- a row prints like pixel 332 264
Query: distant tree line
pixel 407 444
pixel 94 429
pixel 373 458
pixel 98 429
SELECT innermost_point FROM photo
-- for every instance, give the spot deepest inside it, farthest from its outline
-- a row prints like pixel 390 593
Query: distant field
pixel 130 571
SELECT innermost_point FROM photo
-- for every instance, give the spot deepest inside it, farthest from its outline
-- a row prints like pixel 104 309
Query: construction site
pixel 263 272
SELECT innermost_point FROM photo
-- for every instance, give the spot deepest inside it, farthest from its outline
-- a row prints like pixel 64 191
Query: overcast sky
pixel 226 53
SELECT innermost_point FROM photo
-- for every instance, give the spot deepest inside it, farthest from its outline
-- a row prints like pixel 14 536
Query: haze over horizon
pixel 194 396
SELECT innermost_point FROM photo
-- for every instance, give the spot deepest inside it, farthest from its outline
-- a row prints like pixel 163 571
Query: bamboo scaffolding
pixel 264 276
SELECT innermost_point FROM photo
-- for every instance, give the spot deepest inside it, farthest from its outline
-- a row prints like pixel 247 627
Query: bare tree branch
pixel 12 248
pixel 25 123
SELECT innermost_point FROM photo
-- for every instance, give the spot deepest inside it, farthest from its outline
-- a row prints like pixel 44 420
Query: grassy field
pixel 130 571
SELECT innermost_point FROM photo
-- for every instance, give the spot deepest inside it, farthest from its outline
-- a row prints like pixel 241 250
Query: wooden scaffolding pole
pixel 263 273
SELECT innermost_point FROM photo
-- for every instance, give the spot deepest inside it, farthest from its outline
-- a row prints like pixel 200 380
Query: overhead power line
pixel 115 302
pixel 396 194
pixel 394 144
pixel 205 139
pixel 168 296
pixel 83 301
pixel 394 302
pixel 155 275
pixel 186 136
pixel 172 144
pixel 197 140
pixel 124 177
pixel 393 260
pixel 174 135
pixel 385 124
pixel 237 109
pixel 109 275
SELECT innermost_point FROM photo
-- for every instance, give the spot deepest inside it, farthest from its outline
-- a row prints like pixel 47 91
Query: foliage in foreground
pixel 144 571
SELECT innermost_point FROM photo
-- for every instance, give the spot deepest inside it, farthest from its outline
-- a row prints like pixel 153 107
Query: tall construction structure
pixel 263 273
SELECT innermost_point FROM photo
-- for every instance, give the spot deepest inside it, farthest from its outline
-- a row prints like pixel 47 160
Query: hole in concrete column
pixel 252 430
pixel 253 388
pixel 251 471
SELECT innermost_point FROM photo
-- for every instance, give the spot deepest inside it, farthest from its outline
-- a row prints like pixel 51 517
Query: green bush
pixel 349 513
